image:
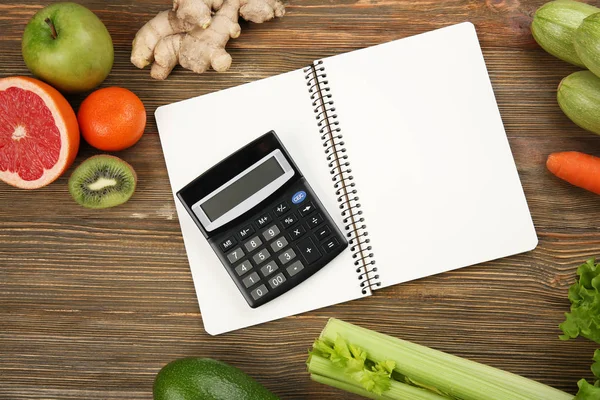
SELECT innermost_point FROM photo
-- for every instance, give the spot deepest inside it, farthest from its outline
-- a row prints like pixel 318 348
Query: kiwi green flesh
pixel 102 182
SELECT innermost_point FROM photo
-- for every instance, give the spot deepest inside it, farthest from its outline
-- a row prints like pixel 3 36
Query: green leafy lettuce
pixel 584 318
pixel 588 391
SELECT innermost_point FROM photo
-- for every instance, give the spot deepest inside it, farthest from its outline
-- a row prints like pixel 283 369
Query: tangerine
pixel 112 119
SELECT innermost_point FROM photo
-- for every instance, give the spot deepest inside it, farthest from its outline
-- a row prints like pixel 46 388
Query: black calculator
pixel 263 220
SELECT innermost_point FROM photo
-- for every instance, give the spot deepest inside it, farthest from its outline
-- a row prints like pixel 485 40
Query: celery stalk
pixel 346 387
pixel 452 376
pixel 324 371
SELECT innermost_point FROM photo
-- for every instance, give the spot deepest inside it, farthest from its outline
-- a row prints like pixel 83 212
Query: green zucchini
pixel 206 379
pixel 587 42
pixel 579 98
pixel 554 25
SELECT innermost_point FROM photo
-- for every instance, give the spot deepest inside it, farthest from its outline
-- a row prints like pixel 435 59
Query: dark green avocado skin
pixel 206 379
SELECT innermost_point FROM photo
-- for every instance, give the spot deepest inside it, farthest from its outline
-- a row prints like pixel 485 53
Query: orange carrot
pixel 579 169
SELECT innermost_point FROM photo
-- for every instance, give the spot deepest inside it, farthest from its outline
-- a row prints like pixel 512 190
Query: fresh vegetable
pixel 579 98
pixel 357 360
pixel 39 136
pixel 586 390
pixel 112 119
pixel 206 379
pixel 587 43
pixel 584 318
pixel 190 35
pixel 66 45
pixel 554 25
pixel 578 169
pixel 102 181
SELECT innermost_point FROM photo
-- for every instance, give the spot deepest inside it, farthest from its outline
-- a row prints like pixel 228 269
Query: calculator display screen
pixel 242 188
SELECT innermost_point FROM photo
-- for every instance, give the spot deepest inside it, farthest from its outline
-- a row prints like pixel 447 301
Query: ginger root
pixel 194 34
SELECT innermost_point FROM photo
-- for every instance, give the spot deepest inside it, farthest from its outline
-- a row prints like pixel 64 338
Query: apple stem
pixel 52 28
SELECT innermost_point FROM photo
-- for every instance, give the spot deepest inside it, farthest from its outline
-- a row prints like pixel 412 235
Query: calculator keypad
pixel 271 233
pixel 245 232
pixel 280 247
pixel 259 292
pixel 294 268
pixel 287 256
pixel 235 255
pixel 243 268
pixel 279 244
pixel 261 256
pixel 269 268
pixel 251 280
pixel 253 244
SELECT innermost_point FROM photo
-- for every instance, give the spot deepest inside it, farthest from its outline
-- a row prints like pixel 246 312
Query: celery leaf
pixel 374 377
pixel 584 318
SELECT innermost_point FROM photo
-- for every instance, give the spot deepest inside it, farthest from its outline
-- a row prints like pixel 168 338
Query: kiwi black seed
pixel 102 181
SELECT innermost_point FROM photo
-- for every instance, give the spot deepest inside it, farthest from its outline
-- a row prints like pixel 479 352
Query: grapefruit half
pixel 39 135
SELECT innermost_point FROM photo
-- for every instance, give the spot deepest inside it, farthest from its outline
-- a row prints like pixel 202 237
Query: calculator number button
pixel 294 268
pixel 289 220
pixel 309 250
pixel 235 255
pixel 297 232
pixel 251 279
pixel 269 268
pixel 276 280
pixel 264 220
pixel 271 233
pixel 331 245
pixel 253 244
pixel 306 209
pixel 315 221
pixel 245 232
pixel 261 256
pixel 287 256
pixel 279 244
pixel 259 292
pixel 281 208
pixel 228 243
pixel 323 232
pixel 243 268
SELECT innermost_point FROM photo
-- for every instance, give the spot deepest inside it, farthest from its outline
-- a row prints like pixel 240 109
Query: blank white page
pixel 198 133
pixel 429 154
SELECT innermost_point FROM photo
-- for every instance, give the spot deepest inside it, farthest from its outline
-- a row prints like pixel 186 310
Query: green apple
pixel 67 45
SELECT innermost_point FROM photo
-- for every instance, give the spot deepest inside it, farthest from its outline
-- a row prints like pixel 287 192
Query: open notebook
pixel 429 160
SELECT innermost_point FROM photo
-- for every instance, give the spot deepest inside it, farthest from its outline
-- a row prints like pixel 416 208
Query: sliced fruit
pixel 39 135
pixel 102 181
pixel 112 119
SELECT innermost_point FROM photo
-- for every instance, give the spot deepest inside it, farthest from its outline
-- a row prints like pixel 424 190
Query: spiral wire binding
pixel 331 135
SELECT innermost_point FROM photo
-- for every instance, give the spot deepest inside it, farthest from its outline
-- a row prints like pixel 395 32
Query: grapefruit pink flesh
pixel 30 142
pixel 39 136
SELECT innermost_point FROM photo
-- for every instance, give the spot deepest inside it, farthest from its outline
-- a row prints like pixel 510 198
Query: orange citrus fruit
pixel 39 136
pixel 112 119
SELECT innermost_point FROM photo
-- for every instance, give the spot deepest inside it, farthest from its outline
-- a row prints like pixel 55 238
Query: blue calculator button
pixel 299 197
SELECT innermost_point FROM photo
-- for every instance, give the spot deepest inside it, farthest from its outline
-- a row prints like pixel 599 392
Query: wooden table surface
pixel 94 303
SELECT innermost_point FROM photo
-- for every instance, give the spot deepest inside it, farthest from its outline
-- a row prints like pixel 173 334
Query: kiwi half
pixel 102 181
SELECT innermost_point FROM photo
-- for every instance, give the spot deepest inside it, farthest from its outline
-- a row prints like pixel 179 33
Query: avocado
pixel 206 379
